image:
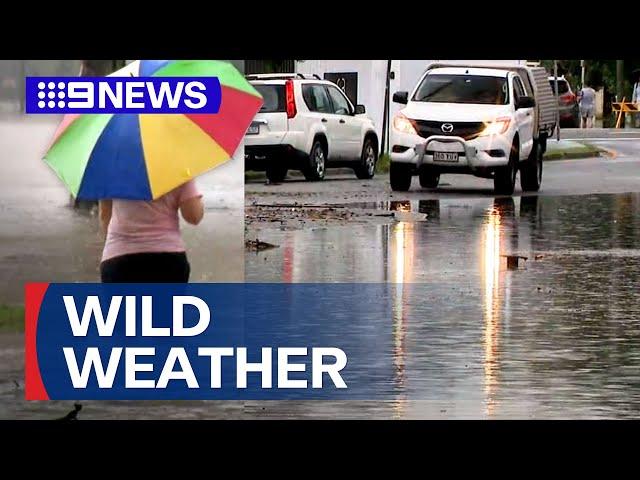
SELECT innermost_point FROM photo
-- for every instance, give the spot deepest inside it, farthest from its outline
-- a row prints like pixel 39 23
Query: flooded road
pixel 557 338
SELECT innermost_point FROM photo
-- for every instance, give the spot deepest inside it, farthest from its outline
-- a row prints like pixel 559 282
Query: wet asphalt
pixel 558 337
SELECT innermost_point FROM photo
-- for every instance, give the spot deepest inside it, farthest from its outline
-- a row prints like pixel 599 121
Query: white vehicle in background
pixel 308 124
pixel 487 122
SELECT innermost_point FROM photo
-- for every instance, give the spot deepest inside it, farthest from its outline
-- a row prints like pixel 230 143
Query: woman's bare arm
pixel 104 209
pixel 192 210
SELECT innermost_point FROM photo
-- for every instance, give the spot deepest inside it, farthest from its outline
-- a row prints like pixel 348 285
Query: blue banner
pixel 210 341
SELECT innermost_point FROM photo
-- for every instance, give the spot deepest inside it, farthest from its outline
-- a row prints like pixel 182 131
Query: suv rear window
pixel 563 86
pixel 273 96
pixel 479 89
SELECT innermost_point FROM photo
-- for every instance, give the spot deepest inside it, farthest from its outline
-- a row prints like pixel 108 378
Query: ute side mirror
pixel 525 102
pixel 360 109
pixel 401 97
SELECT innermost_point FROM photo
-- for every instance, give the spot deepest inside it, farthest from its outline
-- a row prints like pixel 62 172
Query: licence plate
pixel 445 157
pixel 254 129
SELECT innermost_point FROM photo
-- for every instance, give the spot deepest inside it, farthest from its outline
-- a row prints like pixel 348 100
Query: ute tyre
pixel 504 178
pixel 400 176
pixel 428 178
pixel 531 171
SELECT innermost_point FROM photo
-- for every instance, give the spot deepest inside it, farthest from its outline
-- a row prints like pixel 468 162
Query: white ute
pixel 487 122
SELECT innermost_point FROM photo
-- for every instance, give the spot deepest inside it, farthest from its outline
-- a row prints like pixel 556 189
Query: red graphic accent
pixel 34 388
pixel 229 125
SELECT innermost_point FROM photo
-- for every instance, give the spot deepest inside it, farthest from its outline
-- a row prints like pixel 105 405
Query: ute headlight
pixel 496 127
pixel 403 124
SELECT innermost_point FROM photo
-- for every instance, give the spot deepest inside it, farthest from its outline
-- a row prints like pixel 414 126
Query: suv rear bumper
pixel 257 157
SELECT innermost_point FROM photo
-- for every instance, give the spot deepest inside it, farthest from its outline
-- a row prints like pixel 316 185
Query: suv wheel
pixel 400 176
pixel 315 168
pixel 504 178
pixel 366 169
pixel 276 173
pixel 428 178
pixel 531 170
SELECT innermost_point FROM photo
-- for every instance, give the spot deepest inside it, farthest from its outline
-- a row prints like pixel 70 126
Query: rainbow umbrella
pixel 142 157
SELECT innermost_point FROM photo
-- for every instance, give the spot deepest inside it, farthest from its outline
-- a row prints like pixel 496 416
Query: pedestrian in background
pixel 587 105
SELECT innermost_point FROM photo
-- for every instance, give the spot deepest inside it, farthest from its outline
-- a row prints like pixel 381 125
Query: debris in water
pixel 404 216
pixel 73 414
pixel 512 261
pixel 258 245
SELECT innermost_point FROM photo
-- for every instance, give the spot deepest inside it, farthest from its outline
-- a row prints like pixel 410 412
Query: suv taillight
pixel 567 99
pixel 290 99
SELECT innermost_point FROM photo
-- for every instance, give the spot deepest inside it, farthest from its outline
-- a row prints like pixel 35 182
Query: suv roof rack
pixel 278 76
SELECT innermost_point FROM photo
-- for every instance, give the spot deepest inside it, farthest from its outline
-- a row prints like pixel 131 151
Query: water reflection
pixel 402 265
pixel 490 268
pixel 400 206
pixel 431 208
pixel 557 338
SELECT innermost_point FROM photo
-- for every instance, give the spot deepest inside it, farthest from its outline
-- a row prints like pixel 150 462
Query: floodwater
pixel 559 337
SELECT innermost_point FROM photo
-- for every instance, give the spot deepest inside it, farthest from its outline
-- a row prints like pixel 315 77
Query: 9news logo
pixel 73 95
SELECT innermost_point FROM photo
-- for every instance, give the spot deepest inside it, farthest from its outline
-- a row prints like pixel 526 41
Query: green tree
pixel 599 73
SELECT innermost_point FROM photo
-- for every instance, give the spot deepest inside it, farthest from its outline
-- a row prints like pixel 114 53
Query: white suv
pixel 309 125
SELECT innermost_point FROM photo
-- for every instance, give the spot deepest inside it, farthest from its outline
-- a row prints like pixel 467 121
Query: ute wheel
pixel 428 178
pixel 504 178
pixel 400 176
pixel 531 170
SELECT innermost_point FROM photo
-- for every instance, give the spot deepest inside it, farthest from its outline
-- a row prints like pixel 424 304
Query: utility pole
pixel 555 88
pixel 619 79
pixel 384 144
pixel 619 83
pixel 582 75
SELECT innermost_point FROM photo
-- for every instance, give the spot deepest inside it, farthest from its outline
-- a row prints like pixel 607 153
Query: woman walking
pixel 143 240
